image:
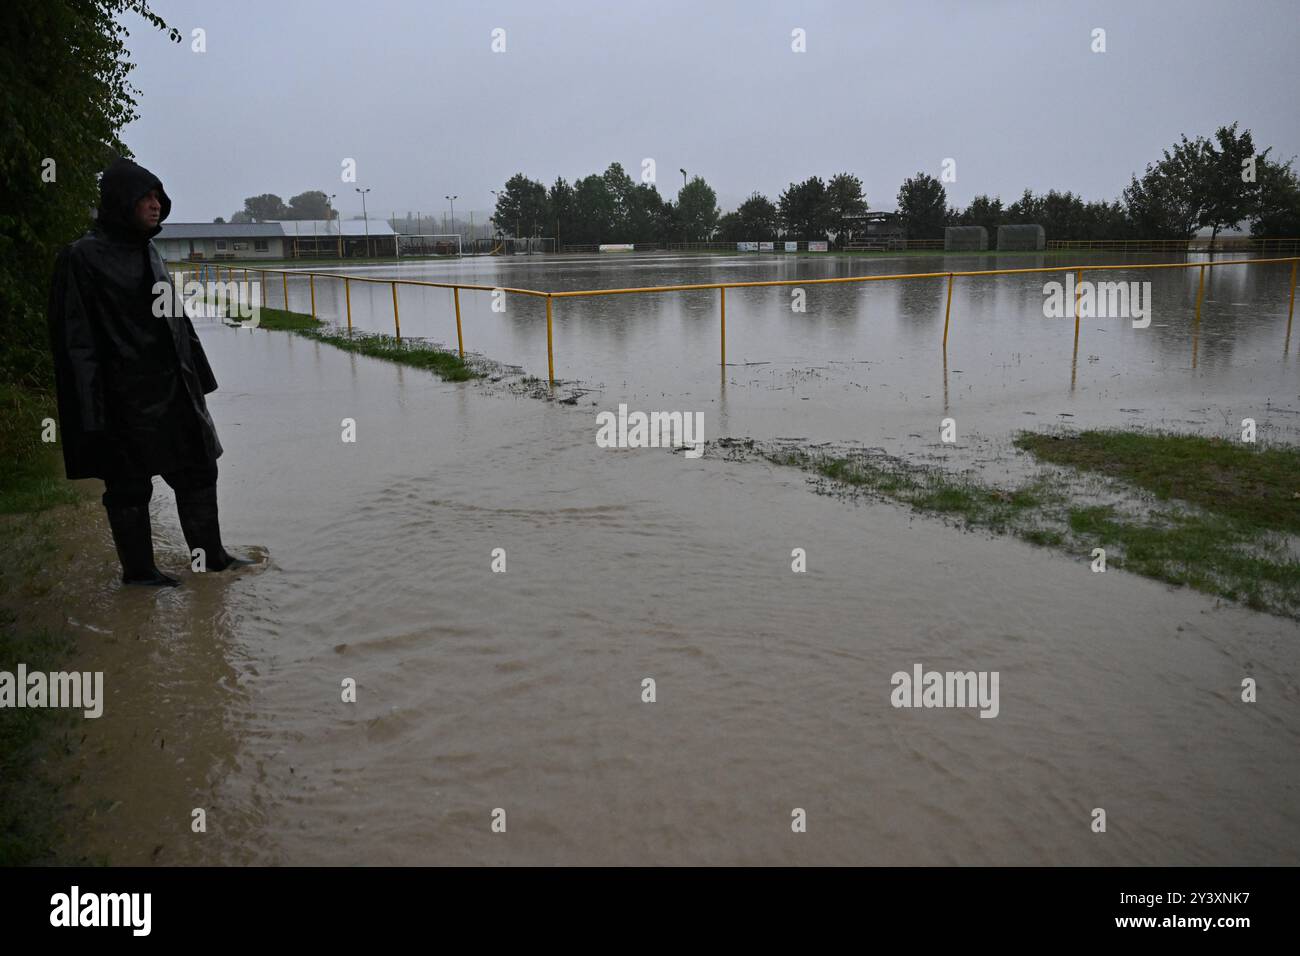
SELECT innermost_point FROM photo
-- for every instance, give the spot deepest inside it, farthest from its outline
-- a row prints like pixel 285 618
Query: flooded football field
pixel 520 697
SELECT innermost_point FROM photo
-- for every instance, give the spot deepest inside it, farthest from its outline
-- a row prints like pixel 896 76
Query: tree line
pixel 609 207
pixel 312 204
pixel 1212 183
pixel 1202 183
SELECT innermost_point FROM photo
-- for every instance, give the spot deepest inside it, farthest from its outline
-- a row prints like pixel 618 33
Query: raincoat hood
pixel 120 188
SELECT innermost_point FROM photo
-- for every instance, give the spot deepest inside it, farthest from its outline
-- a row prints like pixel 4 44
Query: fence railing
pixel 712 245
pixel 884 244
pixel 1201 244
pixel 1281 247
pixel 205 272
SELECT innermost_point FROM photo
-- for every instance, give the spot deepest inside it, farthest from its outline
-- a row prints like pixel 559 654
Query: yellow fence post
pixel 1290 312
pixel 946 313
pixel 723 290
pixel 347 295
pixel 550 348
pixel 1078 288
pixel 1200 294
pixel 311 281
pixel 460 341
pixel 397 322
pixel 1196 323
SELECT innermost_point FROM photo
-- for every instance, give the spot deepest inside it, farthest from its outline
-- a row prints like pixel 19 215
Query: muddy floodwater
pixel 523 691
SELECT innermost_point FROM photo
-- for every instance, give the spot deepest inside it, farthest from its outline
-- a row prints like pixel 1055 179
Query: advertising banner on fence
pixel 791 246
pixel 616 247
pixel 816 245
pixel 747 247
pixel 767 247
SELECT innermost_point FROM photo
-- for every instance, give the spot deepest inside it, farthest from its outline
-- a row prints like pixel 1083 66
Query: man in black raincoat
pixel 131 376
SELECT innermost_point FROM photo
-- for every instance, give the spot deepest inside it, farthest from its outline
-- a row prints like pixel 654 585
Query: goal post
pixel 430 244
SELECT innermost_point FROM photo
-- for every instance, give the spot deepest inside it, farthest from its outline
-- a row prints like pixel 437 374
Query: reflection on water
pixel 522 690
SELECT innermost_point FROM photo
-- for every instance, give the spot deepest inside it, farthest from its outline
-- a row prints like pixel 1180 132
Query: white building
pixel 284 239
pixel 180 241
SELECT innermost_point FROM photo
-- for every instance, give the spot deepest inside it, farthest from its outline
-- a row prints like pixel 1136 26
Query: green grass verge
pixel 31 470
pixel 414 352
pixel 31 481
pixel 30 799
pixel 1221 522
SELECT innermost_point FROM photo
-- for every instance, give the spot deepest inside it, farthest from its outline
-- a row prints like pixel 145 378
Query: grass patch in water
pixel 1258 487
pixel 415 352
pixel 1220 524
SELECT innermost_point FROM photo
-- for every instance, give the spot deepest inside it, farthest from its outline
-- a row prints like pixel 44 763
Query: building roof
pixel 286 228
pixel 330 227
pixel 220 230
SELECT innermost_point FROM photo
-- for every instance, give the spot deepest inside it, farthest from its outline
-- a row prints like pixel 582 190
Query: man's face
pixel 147 210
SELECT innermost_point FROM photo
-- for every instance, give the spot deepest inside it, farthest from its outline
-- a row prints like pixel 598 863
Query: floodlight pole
pixel 365 217
pixel 452 200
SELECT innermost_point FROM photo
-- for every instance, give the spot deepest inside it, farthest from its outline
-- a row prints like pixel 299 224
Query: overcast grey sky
pixel 413 91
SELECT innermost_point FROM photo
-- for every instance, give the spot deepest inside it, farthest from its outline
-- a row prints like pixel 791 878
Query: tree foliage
pixel 804 210
pixel 923 207
pixel 697 210
pixel 1277 207
pixel 521 208
pixel 66 96
pixel 267 206
pixel 844 201
pixel 312 204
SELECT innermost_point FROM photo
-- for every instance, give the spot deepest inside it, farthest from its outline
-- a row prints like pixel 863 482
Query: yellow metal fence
pixel 209 271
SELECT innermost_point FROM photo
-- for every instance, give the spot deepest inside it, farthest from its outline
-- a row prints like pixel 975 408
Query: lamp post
pixel 330 209
pixel 679 207
pixel 364 216
pixel 452 200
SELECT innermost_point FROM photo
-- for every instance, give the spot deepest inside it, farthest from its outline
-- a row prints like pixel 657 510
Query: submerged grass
pixel 415 352
pixel 926 489
pixel 1259 488
pixel 1217 517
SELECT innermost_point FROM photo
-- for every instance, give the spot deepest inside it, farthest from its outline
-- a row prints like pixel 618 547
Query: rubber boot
pixel 133 537
pixel 198 513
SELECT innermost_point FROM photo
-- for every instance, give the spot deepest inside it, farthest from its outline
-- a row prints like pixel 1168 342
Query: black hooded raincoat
pixel 130 383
